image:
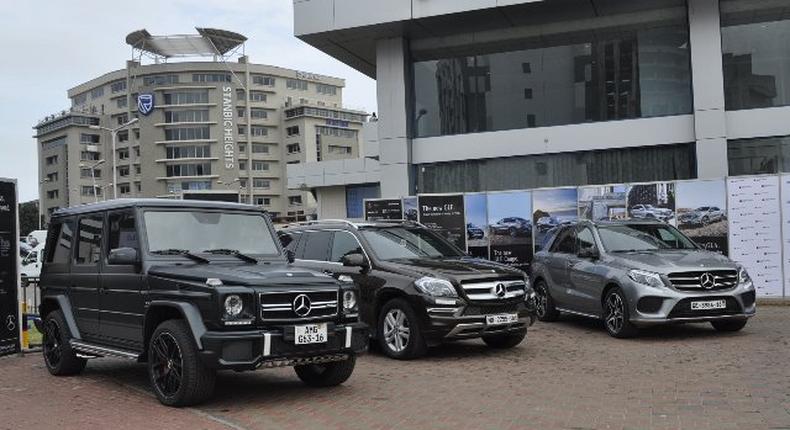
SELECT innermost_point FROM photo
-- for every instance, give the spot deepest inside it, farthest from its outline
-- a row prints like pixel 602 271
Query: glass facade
pixel 611 166
pixel 755 41
pixel 599 69
pixel 758 156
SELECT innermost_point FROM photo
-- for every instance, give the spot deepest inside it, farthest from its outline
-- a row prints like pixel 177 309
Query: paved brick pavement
pixel 568 375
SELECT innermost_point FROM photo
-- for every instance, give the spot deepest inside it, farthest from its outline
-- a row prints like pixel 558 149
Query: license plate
pixel 708 305
pixel 309 333
pixel 501 319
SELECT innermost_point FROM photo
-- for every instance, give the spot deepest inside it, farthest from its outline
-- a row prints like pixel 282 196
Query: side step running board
pixel 101 351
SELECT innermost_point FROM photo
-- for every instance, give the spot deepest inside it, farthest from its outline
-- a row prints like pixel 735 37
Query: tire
pixel 616 317
pixel 729 325
pixel 545 309
pixel 405 317
pixel 171 346
pixel 327 374
pixel 59 358
pixel 505 341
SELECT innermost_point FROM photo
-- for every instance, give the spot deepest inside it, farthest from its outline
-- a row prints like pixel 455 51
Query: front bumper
pixel 468 321
pixel 274 347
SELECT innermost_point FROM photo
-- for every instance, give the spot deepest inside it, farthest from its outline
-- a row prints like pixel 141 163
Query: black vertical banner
pixel 9 254
pixel 383 209
pixel 444 214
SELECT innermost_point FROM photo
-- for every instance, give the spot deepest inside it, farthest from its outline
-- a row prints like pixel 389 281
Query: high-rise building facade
pixel 220 125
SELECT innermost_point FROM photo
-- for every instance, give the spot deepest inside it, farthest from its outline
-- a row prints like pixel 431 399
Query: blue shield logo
pixel 145 103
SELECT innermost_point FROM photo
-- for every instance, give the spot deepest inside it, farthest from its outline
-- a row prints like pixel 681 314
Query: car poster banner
pixel 444 213
pixel 551 209
pixel 702 213
pixel 510 227
pixel 476 222
pixel 410 208
pixel 383 209
pixel 9 263
pixel 602 203
pixel 754 214
pixel 654 201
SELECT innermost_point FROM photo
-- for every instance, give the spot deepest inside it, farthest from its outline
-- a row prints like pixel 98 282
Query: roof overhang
pixel 208 42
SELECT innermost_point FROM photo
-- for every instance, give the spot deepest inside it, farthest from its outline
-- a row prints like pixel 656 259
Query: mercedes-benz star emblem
pixel 707 281
pixel 302 305
pixel 499 290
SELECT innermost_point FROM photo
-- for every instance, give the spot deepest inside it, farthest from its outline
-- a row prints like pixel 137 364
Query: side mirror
pixel 123 256
pixel 290 256
pixel 589 253
pixel 355 260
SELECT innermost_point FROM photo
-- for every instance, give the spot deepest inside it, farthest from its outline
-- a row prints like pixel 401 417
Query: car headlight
pixel 349 300
pixel 743 276
pixel 435 287
pixel 646 278
pixel 233 306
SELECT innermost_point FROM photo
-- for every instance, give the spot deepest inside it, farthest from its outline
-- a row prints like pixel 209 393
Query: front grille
pixel 279 306
pixel 722 280
pixel 683 308
pixel 487 290
pixel 507 308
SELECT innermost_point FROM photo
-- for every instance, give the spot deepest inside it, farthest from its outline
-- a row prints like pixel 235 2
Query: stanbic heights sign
pixel 228 126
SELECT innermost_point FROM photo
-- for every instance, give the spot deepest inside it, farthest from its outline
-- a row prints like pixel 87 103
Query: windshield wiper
pixel 184 252
pixel 233 252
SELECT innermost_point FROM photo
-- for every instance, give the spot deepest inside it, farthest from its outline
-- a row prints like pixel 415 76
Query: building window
pixel 187 133
pixel 242 165
pixel 257 96
pixel 53 159
pixel 190 151
pixel 296 84
pixel 616 71
pixel 263 201
pixel 263 80
pixel 194 169
pixel 293 148
pixel 611 166
pixel 124 188
pixel 97 92
pixel 53 194
pixel 122 118
pixel 292 131
pixel 755 55
pixel 160 80
pixel 79 99
pixel 136 151
pixel 90 139
pixel 86 173
pixel 337 149
pixel 260 165
pixel 326 89
pixel 260 148
pixel 758 156
pixel 123 136
pixel 261 183
pixel 123 154
pixel 242 148
pixel 118 86
pixel 186 116
pixel 240 112
pixel 295 200
pixel 258 113
pixel 52 177
pixel 123 171
pixel 528 93
pixel 257 130
pixel 138 186
pixel 137 169
pixel 211 77
pixel 88 190
pixel 120 102
pixel 186 97
pixel 336 132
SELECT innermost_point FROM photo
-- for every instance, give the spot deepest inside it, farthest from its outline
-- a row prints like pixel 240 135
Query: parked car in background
pixel 703 215
pixel 474 232
pixel 512 226
pixel 36 237
pixel 639 273
pixel 416 288
pixel 650 211
pixel 547 223
pixel 190 287
pixel 30 269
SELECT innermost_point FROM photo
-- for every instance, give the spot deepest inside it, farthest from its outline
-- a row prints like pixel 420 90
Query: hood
pixel 262 274
pixel 670 261
pixel 453 268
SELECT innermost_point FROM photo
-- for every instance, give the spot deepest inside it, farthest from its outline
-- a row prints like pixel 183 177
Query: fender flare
pixel 64 305
pixel 189 313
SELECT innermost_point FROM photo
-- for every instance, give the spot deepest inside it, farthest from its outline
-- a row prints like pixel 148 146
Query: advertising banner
pixel 444 214
pixel 383 209
pixel 755 242
pixel 702 213
pixel 476 221
pixel 603 203
pixel 510 227
pixel 9 263
pixel 785 204
pixel 410 209
pixel 654 201
pixel 551 209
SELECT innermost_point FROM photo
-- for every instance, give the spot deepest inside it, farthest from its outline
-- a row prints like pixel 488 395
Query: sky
pixel 51 46
pixel 693 194
pixel 501 205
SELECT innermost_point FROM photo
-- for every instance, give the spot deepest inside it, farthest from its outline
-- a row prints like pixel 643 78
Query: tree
pixel 28 217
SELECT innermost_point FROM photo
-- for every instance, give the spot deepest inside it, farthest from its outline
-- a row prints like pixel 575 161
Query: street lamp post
pixel 93 177
pixel 113 134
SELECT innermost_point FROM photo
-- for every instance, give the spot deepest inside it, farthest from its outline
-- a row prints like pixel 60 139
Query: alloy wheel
pixel 167 365
pixel 52 346
pixel 614 313
pixel 396 330
pixel 541 301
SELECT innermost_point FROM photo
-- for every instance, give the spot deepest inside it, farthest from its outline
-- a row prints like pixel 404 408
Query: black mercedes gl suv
pixel 416 288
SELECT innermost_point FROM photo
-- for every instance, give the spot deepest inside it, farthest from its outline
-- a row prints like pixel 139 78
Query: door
pixel 585 279
pixel 84 287
pixel 561 255
pixel 345 243
pixel 121 300
pixel 313 250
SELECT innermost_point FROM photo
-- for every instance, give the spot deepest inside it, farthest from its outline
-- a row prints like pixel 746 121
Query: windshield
pixel 196 231
pixel 395 243
pixel 642 237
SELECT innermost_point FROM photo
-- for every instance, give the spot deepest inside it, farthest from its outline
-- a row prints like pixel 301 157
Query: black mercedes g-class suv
pixel 416 288
pixel 189 287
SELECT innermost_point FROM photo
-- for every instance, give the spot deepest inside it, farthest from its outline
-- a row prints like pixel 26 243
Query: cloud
pixel 54 46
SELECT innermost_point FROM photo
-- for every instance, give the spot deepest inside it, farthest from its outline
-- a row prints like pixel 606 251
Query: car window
pixel 643 237
pixel 343 244
pixel 122 231
pixel 565 242
pixel 317 245
pixel 89 239
pixel 393 243
pixel 59 250
pixel 585 239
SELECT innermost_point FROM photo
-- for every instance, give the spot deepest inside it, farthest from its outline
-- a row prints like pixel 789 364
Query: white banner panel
pixel 755 242
pixel 785 179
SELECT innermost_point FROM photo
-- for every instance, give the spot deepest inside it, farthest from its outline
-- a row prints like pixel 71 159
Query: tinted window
pixel 89 240
pixel 403 243
pixel 344 244
pixel 585 239
pixel 566 243
pixel 59 252
pixel 122 231
pixel 317 245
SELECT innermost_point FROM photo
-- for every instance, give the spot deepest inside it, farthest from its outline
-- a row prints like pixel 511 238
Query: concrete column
pixel 393 87
pixel 710 125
